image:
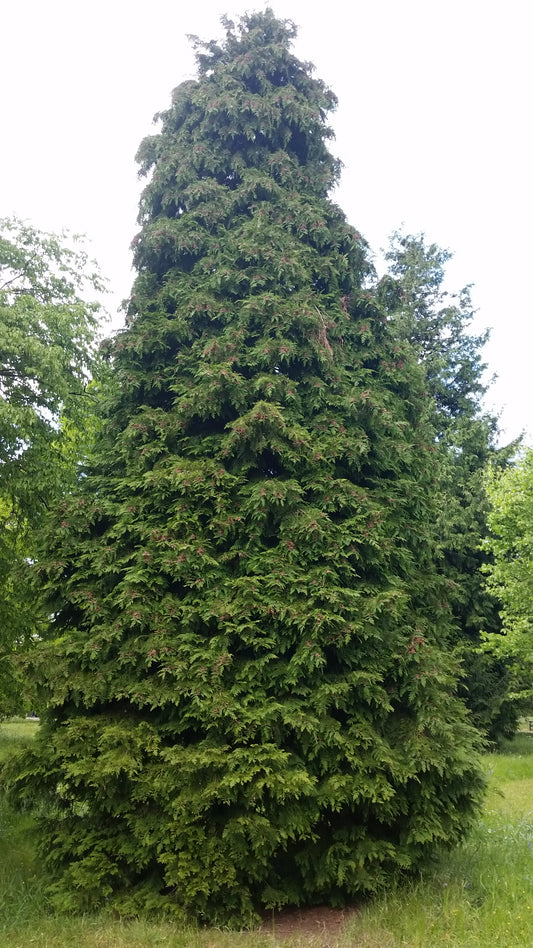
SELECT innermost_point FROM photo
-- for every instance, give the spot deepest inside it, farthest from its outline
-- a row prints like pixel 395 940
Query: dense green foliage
pixel 457 898
pixel 47 337
pixel 250 698
pixel 438 323
pixel 508 570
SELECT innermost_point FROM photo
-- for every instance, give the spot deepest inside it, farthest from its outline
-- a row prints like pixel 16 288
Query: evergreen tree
pixel 250 696
pixel 438 323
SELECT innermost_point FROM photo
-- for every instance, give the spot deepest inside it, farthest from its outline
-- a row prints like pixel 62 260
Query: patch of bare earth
pixel 322 922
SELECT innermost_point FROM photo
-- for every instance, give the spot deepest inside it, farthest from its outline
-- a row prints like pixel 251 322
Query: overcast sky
pixel 433 127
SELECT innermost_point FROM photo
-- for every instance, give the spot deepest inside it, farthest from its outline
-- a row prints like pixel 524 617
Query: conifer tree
pixel 438 323
pixel 250 697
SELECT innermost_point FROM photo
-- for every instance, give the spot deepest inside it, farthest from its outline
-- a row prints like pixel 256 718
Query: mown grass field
pixel 478 896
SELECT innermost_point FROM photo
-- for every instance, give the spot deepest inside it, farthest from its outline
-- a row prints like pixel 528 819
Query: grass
pixel 15 732
pixel 480 894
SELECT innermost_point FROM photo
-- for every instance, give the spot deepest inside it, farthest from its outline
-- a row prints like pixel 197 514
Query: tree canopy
pixel 250 697
pixel 509 573
pixel 47 339
pixel 438 323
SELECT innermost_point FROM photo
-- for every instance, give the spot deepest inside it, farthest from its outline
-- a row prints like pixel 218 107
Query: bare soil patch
pixel 322 921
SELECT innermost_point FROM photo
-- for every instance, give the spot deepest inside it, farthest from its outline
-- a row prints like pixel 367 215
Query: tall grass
pixel 21 885
pixel 479 895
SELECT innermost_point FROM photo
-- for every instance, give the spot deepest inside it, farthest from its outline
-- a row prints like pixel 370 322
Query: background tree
pixel 509 570
pixel 250 696
pixel 47 341
pixel 438 323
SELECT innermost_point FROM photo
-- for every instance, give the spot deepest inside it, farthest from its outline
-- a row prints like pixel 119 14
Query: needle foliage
pixel 250 696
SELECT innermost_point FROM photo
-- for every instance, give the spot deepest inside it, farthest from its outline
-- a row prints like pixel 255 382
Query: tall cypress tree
pixel 249 695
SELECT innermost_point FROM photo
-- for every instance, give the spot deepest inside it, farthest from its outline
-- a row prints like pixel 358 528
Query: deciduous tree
pixel 509 569
pixel 47 345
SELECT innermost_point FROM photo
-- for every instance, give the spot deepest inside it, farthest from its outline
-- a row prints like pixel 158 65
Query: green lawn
pixel 480 895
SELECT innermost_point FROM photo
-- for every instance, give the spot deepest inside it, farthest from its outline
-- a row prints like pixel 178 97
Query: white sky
pixel 433 127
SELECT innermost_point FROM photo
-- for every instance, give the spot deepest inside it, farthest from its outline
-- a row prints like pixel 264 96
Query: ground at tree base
pixel 318 920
